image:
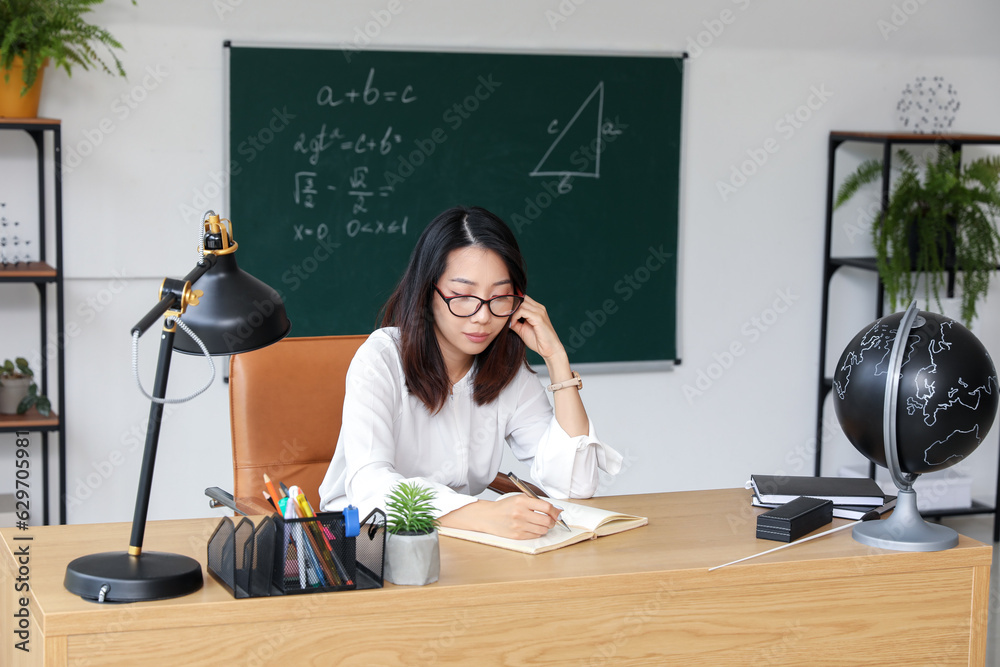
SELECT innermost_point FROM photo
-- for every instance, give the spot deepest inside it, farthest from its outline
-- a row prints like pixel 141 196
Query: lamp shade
pixel 235 312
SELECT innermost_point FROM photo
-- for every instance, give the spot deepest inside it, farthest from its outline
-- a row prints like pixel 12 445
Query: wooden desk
pixel 639 598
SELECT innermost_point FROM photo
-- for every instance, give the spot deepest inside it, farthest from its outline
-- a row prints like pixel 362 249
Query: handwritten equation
pixel 306 191
pixel 369 95
pixel 323 140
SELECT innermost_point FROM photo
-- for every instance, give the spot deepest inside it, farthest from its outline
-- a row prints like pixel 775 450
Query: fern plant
pixel 946 214
pixel 38 29
pixel 409 509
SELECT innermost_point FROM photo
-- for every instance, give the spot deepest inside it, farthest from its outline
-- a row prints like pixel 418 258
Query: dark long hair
pixel 410 307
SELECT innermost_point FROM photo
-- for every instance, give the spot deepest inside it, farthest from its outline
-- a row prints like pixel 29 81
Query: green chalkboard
pixel 339 159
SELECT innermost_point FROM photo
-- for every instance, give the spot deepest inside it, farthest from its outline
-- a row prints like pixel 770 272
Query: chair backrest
pixel 286 405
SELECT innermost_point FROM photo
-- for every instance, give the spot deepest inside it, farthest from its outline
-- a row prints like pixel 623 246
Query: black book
pixel 779 489
pixel 839 511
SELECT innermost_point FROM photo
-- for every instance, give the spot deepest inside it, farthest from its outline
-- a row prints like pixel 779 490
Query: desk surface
pixel 644 588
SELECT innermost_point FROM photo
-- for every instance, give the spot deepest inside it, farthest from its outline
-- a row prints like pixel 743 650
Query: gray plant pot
pixel 412 560
pixel 12 392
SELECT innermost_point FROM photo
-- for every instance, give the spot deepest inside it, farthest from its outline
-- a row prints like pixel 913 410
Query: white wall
pixel 147 147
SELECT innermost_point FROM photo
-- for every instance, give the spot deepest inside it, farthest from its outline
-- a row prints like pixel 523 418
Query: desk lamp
pixel 236 313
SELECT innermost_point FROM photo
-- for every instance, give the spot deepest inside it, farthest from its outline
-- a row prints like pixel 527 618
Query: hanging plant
pixel 938 219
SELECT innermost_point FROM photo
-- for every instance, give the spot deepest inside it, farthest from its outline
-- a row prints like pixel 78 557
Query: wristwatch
pixel 575 382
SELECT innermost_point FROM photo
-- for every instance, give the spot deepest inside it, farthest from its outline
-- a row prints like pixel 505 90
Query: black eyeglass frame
pixel 488 302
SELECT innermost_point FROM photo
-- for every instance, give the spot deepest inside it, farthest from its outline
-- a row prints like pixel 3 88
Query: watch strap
pixel 575 382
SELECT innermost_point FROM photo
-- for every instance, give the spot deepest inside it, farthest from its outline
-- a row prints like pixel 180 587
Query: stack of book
pixel 852 497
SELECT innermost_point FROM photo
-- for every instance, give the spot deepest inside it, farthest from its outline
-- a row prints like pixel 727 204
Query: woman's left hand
pixel 531 322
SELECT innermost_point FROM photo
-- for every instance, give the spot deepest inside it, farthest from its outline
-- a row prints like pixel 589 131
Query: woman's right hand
pixel 518 517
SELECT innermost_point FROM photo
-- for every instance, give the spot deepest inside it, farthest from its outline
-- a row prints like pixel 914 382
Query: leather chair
pixel 286 406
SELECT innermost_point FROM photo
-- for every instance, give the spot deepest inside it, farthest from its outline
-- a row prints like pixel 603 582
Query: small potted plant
pixel 412 554
pixel 18 391
pixel 938 221
pixel 34 32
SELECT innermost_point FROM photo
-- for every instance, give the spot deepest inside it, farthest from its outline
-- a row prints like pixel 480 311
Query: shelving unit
pixel 47 278
pixel 832 264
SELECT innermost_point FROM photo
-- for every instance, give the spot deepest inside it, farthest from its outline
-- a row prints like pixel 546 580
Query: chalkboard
pixel 339 159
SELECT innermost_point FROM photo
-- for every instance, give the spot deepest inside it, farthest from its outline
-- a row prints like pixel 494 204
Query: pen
pixel 528 492
pixel 339 571
pixel 298 540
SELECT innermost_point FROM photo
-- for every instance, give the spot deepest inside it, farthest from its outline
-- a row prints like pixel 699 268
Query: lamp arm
pixel 169 300
pixel 152 438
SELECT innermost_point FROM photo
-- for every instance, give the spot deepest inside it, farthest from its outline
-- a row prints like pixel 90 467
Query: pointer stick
pixel 868 516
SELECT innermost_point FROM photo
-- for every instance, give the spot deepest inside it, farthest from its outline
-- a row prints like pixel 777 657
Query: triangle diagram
pixel 576 151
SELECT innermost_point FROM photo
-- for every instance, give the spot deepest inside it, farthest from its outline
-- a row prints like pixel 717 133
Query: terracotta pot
pixel 12 391
pixel 12 103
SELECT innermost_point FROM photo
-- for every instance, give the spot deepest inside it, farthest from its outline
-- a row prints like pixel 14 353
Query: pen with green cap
pixel 526 490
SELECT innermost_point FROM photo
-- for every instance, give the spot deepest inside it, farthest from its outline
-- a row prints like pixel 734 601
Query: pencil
pixel 271 489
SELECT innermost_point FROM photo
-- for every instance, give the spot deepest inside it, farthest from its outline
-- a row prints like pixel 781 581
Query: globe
pixel 935 409
pixel 947 392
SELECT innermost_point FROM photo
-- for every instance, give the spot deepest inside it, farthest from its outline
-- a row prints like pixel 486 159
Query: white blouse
pixel 388 435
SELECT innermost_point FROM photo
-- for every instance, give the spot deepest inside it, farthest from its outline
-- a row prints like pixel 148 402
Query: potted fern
pixel 412 554
pixel 938 220
pixel 18 391
pixel 35 32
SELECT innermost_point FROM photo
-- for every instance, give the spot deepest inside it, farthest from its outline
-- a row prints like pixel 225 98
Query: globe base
pixel 905 529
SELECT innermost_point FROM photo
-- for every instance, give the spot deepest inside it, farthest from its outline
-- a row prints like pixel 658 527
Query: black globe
pixel 947 397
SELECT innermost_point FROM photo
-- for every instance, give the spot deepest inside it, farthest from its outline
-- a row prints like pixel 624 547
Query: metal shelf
pixel 830 265
pixel 45 276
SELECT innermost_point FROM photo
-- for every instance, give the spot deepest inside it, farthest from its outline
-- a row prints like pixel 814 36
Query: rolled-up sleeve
pixel 564 466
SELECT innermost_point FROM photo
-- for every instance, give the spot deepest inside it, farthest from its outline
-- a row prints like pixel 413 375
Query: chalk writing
pixel 355 227
pixel 363 143
pixel 585 161
pixel 369 95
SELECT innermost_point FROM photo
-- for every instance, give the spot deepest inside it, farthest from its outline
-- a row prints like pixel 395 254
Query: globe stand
pixel 905 529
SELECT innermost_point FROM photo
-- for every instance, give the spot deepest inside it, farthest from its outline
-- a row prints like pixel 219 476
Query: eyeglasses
pixel 466 305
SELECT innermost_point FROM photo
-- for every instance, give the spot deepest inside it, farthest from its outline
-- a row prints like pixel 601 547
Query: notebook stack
pixel 851 497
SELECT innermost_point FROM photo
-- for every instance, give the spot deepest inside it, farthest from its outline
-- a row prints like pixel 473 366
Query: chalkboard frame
pixel 667 362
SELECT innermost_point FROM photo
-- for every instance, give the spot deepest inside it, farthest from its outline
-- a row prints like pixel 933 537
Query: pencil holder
pixel 292 556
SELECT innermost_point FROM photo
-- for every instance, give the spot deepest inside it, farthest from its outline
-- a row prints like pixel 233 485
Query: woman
pixel 433 395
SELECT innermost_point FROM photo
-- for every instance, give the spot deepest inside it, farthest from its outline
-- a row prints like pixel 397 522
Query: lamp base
pixel 152 575
pixel 905 529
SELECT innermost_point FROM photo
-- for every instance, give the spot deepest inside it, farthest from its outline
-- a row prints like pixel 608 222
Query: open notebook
pixel 586 523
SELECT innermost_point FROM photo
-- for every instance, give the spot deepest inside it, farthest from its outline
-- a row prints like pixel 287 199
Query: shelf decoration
pixel 928 106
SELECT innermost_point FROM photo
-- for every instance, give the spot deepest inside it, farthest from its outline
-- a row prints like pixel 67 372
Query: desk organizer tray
pixel 292 556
